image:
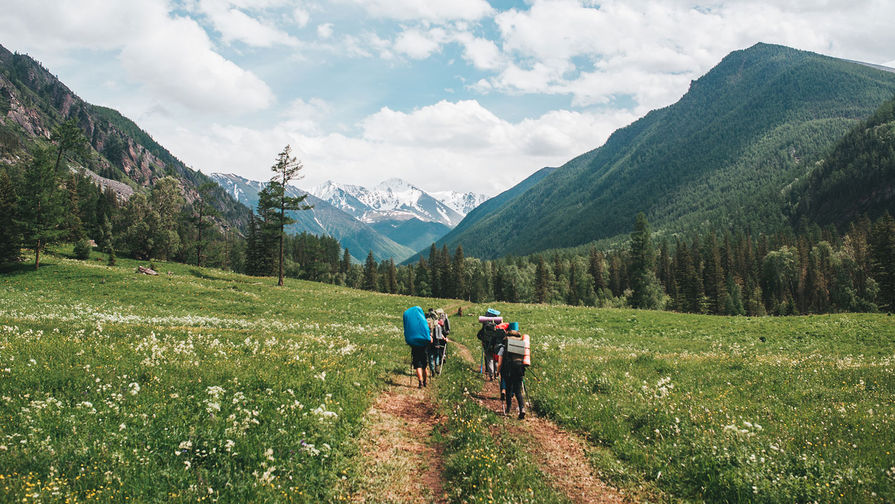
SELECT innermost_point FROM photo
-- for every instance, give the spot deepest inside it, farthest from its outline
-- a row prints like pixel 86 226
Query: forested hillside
pixel 33 103
pixel 857 177
pixel 717 159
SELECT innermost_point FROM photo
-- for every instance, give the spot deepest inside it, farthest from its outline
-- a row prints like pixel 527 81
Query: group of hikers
pixel 505 351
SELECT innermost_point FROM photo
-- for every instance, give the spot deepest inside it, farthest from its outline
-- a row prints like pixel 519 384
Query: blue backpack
pixel 416 329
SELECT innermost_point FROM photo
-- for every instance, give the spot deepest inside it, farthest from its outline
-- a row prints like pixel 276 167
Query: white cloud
pixel 482 53
pixel 458 146
pixel 171 57
pixel 417 44
pixel 301 16
pixel 426 10
pixel 235 25
pixel 325 30
pixel 174 59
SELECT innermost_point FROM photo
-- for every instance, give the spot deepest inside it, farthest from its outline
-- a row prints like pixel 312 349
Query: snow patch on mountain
pixel 392 199
pixel 462 202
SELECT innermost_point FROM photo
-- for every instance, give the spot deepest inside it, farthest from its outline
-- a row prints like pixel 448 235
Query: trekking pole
pixel 533 375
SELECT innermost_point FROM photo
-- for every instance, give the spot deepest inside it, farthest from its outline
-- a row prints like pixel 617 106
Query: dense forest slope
pixel 720 157
pixel 856 178
pixel 122 156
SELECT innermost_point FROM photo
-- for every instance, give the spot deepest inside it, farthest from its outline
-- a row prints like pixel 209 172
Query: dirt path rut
pixel 560 454
pixel 396 447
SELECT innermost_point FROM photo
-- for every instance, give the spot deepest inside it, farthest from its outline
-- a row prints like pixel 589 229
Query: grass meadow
pixel 200 385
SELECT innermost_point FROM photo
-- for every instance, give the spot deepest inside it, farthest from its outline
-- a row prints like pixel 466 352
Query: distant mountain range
pixel 397 200
pixel 392 220
pixel 728 155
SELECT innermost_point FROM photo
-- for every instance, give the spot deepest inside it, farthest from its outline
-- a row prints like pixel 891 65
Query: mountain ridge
pixel 716 158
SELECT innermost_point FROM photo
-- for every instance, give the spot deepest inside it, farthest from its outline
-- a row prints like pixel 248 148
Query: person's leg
pixel 520 397
pixel 419 376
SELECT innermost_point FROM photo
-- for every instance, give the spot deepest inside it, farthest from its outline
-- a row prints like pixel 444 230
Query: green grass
pixel 721 409
pixel 203 385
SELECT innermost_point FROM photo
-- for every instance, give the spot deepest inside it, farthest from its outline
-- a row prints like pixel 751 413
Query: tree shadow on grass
pixel 13 269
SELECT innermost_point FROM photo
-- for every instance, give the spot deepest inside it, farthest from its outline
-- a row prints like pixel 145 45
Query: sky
pixel 464 95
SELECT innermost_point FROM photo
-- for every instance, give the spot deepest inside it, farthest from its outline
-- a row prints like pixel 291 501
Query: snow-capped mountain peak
pixel 391 199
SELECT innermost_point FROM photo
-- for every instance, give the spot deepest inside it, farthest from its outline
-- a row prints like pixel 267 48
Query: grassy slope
pixel 75 337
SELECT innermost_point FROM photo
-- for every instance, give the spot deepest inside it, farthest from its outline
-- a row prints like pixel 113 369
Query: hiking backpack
pixel 416 330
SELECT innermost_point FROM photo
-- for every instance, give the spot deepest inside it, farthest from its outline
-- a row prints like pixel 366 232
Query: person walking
pixel 484 336
pixel 511 369
pixel 418 337
pixel 438 345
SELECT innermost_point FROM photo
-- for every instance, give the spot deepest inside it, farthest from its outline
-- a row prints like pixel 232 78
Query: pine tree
pixel 371 275
pixel 345 264
pixel 883 259
pixel 10 239
pixel 459 275
pixel 392 277
pixel 203 211
pixel 542 281
pixel 713 276
pixel 41 206
pixel 647 293
pixel 273 202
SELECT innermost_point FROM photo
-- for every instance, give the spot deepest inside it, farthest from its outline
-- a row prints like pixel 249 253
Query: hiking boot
pixel 419 385
pixel 521 415
pixel 506 411
pixel 503 396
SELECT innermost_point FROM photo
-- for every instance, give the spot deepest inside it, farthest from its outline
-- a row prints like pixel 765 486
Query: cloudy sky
pixel 447 94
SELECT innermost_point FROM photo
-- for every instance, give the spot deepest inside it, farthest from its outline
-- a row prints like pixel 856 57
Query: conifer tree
pixel 542 281
pixel 371 275
pixel 40 215
pixel 273 201
pixel 345 264
pixel 10 239
pixel 883 259
pixel 392 277
pixel 647 293
pixel 203 211
pixel 459 275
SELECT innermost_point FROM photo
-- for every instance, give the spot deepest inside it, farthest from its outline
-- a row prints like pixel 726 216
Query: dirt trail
pixel 396 448
pixel 560 454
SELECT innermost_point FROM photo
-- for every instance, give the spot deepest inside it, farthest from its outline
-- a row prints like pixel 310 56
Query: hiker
pixel 417 335
pixel 439 329
pixel 512 370
pixel 488 360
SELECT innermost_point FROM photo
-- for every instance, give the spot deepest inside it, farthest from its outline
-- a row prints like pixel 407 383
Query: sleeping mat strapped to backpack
pixel 416 329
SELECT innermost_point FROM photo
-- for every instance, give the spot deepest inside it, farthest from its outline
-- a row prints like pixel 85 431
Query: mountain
pixel 721 157
pixel 412 233
pixel 857 177
pixel 324 219
pixel 483 211
pixel 122 156
pixel 391 200
pixel 462 203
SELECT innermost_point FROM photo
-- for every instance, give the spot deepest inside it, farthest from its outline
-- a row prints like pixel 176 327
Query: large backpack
pixel 447 323
pixel 416 330
pixel 497 335
pixel 438 339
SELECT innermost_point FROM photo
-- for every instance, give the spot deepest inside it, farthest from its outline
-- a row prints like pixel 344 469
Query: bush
pixel 82 249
